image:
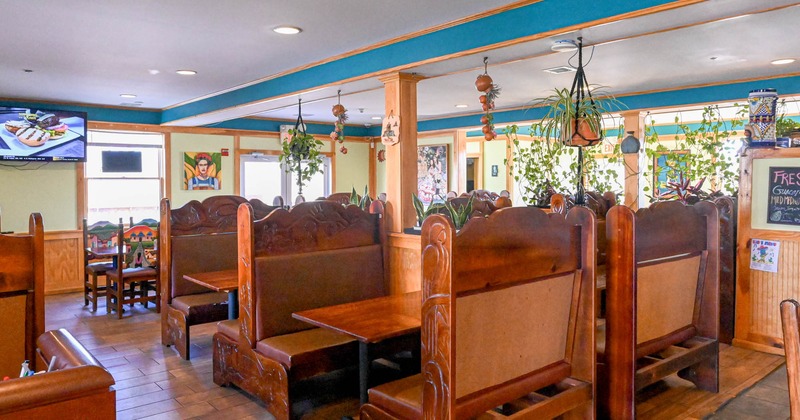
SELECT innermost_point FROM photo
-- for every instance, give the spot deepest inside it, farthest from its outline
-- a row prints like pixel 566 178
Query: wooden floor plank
pixel 153 382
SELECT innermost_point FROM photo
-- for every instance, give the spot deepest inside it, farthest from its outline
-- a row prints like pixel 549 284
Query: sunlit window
pixel 123 176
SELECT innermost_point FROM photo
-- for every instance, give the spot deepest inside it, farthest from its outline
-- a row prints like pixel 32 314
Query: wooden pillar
pixel 633 121
pixel 401 159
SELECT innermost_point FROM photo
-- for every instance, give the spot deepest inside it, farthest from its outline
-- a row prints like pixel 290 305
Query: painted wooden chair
pixel 136 267
pixel 662 313
pixel 21 297
pixel 97 238
pixel 507 321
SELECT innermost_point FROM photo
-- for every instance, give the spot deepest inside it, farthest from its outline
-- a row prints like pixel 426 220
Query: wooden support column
pixel 633 121
pixel 401 159
pixel 460 150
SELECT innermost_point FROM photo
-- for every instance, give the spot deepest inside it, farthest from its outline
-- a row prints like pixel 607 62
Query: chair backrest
pixel 790 314
pixel 138 245
pixel 661 260
pixel 317 254
pixel 21 296
pixel 507 307
pixel 199 237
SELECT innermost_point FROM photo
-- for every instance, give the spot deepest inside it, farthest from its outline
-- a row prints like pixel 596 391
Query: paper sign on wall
pixel 764 255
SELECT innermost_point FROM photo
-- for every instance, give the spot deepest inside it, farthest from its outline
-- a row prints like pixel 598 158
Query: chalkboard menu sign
pixel 784 196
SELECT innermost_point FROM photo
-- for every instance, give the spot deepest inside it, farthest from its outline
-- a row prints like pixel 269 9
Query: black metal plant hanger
pixel 579 91
pixel 299 127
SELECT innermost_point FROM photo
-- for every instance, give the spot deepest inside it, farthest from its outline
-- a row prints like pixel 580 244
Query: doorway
pixel 474 178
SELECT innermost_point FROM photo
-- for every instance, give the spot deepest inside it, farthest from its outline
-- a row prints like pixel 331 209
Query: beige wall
pixel 380 170
pixel 49 189
pixel 352 169
pixel 267 143
pixel 494 153
pixel 181 143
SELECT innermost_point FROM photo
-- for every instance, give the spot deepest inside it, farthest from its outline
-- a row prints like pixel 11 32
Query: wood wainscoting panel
pixel 405 273
pixel 63 261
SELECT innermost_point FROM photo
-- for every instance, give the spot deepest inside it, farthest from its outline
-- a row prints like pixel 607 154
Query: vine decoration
pixel 491 91
pixel 340 113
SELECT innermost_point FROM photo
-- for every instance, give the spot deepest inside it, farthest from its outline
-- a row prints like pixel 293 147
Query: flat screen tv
pixel 39 134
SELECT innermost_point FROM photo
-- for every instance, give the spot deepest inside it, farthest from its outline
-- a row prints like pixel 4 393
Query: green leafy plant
pixel 704 150
pixel 301 155
pixel 562 116
pixel 364 202
pixel 422 212
pixel 683 191
pixel 459 214
pixel 784 125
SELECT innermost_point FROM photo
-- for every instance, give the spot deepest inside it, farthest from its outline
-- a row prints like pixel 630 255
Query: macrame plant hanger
pixel 579 91
pixel 299 128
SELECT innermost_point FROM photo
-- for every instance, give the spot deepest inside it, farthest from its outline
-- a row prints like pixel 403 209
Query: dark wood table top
pixel 218 281
pixel 372 320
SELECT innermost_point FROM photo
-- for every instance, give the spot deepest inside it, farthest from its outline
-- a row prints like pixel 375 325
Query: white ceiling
pixel 90 52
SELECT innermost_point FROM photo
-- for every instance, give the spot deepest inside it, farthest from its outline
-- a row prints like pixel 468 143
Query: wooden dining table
pixel 220 281
pixel 370 322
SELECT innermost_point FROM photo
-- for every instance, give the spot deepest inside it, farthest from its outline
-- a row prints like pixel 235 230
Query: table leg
pixel 233 304
pixel 363 371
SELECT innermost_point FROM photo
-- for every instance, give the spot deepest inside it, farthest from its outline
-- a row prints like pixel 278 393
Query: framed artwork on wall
pixel 202 171
pixel 432 178
pixel 665 170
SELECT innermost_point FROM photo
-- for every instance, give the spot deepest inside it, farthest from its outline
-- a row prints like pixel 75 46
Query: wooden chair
pixel 21 296
pixel 507 321
pixel 96 237
pixel 790 314
pixel 134 246
pixel 662 313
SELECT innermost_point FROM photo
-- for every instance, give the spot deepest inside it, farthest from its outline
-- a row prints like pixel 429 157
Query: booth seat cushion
pixel 135 273
pixel 402 398
pixel 317 346
pixel 212 306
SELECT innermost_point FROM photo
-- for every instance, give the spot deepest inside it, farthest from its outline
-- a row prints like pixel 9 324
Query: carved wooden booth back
pixel 199 237
pixel 21 296
pixel 663 286
pixel 319 253
pixel 507 300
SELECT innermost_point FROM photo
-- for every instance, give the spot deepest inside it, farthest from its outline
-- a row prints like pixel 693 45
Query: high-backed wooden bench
pixel 78 386
pixel 319 253
pixel 197 237
pixel 21 296
pixel 507 310
pixel 790 322
pixel 662 312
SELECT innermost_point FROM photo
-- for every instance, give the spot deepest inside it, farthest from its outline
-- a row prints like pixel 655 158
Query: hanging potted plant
pixel 571 122
pixel 301 154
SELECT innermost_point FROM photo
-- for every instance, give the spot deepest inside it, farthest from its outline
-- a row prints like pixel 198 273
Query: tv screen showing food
pixel 34 134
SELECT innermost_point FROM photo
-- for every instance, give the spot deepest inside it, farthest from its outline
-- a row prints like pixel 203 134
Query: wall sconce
pixel 630 144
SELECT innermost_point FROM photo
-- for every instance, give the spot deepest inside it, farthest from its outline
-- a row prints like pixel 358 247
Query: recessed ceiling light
pixel 783 61
pixel 287 30
pixel 377 118
pixel 462 106
pixel 186 72
pixel 127 95
pixel 153 71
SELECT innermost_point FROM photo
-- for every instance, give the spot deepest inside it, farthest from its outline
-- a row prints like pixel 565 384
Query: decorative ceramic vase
pixel 762 115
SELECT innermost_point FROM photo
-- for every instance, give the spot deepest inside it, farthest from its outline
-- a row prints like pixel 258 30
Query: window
pixel 263 177
pixel 123 176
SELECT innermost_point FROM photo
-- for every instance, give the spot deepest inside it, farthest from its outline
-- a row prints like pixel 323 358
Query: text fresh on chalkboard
pixel 783 206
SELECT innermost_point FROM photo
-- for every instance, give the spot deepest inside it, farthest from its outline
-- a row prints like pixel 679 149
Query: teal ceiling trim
pixel 96 113
pixel 532 19
pixel 708 94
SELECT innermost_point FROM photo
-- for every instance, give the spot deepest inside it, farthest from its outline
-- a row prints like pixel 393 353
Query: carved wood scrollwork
pixel 438 236
pixel 215 214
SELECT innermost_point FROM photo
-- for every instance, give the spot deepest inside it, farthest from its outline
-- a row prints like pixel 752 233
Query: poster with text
pixel 202 171
pixel 764 255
